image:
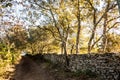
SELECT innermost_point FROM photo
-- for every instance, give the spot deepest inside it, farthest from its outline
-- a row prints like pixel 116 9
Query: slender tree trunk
pixel 93 32
pixel 95 23
pixel 104 31
pixel 91 39
pixel 66 56
pixel 62 48
pixel 78 30
pixel 104 35
pixel 118 2
pixel 71 51
pixel 62 39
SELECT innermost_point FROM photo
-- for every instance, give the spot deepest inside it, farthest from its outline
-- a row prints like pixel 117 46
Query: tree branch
pixel 103 35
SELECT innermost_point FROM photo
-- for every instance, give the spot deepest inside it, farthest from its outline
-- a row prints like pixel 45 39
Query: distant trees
pixel 62 25
pixel 69 25
pixel 112 43
pixel 109 5
pixel 41 41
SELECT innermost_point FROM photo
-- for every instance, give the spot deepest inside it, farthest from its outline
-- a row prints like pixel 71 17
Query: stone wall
pixel 107 66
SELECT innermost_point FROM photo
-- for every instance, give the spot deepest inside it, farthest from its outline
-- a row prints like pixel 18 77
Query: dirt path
pixel 27 69
pixel 30 69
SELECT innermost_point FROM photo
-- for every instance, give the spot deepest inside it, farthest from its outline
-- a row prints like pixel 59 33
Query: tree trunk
pixel 78 30
pixel 104 35
pixel 62 48
pixel 104 31
pixel 93 32
pixel 72 47
pixel 118 2
pixel 62 39
pixel 65 53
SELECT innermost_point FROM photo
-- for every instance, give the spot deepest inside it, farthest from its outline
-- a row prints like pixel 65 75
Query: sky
pixel 18 14
pixel 20 11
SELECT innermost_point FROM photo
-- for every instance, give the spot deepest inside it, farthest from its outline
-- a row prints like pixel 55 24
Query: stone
pixel 106 65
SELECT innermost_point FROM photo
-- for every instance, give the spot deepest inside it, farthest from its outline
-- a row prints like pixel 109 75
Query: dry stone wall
pixel 107 66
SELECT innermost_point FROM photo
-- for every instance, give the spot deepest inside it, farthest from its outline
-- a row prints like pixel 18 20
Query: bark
pixel 93 32
pixel 72 47
pixel 104 35
pixel 63 39
pixel 65 53
pixel 104 30
pixel 95 23
pixel 78 30
pixel 118 2
pixel 62 48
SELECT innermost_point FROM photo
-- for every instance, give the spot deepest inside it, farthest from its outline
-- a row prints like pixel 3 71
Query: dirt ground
pixel 29 69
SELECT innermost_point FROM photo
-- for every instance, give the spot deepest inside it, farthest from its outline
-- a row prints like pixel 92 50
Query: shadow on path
pixel 28 69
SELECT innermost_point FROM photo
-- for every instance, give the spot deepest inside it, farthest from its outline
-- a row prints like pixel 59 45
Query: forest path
pixel 36 68
pixel 28 69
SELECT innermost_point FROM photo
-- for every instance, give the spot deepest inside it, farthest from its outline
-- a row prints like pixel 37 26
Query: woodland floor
pixel 30 69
